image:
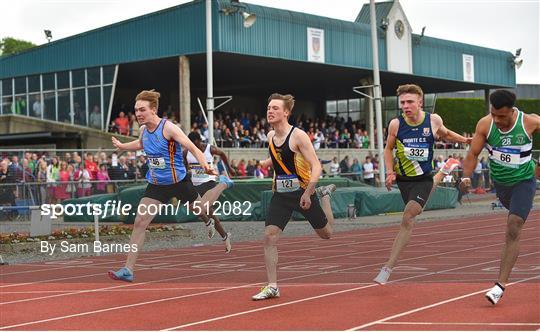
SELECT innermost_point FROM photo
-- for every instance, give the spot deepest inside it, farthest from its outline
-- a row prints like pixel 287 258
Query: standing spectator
pixel 85 186
pixel 356 169
pixel 318 140
pixel 440 163
pixel 134 126
pixel 7 195
pixel 95 117
pixel 63 179
pixel 344 139
pixel 91 165
pixel 334 167
pixel 71 187
pixel 358 138
pixel 142 165
pixel 103 179
pixel 16 169
pixel 262 138
pixel 42 181
pixel 37 106
pixel 122 124
pixel 52 177
pixel 477 175
pixel 365 142
pixel 369 174
pixel 241 168
pixel 259 172
pixel 250 169
pixel 344 165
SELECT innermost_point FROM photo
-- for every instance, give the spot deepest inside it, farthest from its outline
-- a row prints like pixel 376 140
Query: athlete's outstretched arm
pixel 536 129
pixel 448 135
pixel 174 132
pixel 266 162
pixel 218 152
pixel 130 146
pixel 389 153
pixel 477 144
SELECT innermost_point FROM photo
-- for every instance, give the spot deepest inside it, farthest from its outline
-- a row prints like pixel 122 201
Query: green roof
pixel 381 11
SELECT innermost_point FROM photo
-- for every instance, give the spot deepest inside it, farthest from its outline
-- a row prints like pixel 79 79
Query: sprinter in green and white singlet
pixel 507 135
pixel 510 153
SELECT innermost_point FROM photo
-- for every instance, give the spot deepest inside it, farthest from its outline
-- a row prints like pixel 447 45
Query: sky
pixel 499 24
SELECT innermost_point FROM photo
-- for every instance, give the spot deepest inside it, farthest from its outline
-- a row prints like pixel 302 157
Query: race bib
pixel 156 163
pixel 197 172
pixel 287 183
pixel 506 156
pixel 416 152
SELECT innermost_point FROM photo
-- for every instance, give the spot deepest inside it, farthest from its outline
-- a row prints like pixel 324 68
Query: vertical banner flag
pixel 315 45
pixel 468 68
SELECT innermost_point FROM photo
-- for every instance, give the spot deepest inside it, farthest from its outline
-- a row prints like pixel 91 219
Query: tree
pixel 9 45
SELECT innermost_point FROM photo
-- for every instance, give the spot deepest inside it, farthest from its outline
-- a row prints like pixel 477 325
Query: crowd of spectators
pixel 52 178
pixel 248 130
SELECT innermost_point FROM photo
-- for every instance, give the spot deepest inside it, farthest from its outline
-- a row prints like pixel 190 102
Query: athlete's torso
pixel 291 171
pixel 165 162
pixel 510 153
pixel 414 148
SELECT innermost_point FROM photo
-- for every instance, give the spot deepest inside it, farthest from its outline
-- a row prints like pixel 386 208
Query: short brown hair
pixel 288 100
pixel 410 88
pixel 150 96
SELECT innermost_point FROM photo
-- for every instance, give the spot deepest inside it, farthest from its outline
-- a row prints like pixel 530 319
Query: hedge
pixel 462 114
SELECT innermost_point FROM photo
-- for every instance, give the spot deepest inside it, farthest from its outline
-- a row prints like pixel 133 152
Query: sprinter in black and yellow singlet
pixel 413 134
pixel 296 172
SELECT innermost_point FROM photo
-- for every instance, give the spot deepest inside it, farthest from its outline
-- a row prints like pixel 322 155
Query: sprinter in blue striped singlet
pixel 413 134
pixel 162 142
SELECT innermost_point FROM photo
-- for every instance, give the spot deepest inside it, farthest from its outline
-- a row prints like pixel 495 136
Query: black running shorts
pixel 183 190
pixel 415 189
pixel 282 206
pixel 517 198
pixel 204 187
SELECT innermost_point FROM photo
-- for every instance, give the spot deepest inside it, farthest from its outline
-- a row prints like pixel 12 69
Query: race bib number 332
pixel 416 153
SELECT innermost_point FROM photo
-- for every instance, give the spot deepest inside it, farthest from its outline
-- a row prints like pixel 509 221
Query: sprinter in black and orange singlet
pixel 296 172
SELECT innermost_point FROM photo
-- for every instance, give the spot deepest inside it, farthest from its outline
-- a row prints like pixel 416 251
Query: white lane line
pixel 363 326
pixel 463 323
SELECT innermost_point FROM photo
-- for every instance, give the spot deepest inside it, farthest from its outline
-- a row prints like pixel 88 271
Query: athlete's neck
pixel 282 128
pixel 416 119
pixel 153 123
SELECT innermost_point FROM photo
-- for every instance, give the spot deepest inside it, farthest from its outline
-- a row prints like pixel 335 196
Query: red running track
pixel 439 284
